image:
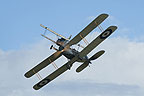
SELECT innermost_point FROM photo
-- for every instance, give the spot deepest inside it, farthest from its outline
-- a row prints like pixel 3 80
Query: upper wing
pixel 97 41
pixel 43 64
pixel 88 29
pixel 55 74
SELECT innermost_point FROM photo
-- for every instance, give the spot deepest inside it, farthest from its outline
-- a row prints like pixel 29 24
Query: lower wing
pixel 55 74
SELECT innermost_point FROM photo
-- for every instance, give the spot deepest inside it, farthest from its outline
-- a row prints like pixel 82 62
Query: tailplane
pixel 86 63
pixel 97 55
pixel 54 32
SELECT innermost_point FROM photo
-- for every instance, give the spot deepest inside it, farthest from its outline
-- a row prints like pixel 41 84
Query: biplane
pixel 64 48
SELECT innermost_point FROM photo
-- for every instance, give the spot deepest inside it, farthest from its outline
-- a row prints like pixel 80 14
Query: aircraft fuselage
pixel 69 53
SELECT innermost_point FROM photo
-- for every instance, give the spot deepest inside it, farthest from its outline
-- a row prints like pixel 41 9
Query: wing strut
pixel 54 64
pixel 86 42
pixel 38 75
pixel 101 29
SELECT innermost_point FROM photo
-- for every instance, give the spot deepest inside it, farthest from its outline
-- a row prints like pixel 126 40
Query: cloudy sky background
pixel 119 72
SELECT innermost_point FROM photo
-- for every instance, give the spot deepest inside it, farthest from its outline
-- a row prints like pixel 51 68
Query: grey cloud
pixel 79 88
pixel 122 64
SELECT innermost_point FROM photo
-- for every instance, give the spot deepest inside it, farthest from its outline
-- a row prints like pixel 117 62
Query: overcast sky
pixel 119 72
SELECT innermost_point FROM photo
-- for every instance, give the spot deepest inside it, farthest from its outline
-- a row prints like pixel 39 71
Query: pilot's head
pixel 61 41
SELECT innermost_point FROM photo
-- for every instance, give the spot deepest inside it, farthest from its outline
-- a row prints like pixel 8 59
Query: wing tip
pixel 113 28
pixel 35 87
pixel 26 75
pixel 78 70
pixel 104 14
pixel 41 84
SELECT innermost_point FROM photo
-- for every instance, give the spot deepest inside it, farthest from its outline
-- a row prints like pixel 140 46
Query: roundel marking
pixel 43 82
pixel 105 34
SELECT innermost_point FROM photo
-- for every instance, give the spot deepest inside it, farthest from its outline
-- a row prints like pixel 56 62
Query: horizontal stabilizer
pixel 86 63
pixel 48 38
pixel 82 67
pixel 97 55
pixel 53 32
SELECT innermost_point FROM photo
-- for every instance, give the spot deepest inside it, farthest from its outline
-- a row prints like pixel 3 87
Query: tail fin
pixel 53 32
